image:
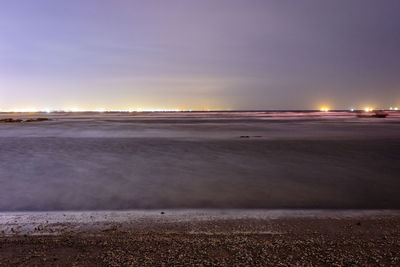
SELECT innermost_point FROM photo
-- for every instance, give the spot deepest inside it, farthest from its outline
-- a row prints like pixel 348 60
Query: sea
pixel 83 161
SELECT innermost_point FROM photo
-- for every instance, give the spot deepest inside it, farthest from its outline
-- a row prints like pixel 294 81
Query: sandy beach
pixel 204 238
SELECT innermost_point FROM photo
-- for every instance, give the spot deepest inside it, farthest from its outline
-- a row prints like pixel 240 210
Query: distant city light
pixel 154 110
pixel 23 110
pixel 131 110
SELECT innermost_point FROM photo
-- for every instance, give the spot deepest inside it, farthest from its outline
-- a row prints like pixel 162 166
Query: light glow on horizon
pixel 75 109
pixel 141 109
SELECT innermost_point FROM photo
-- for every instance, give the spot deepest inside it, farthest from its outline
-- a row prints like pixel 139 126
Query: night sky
pixel 204 54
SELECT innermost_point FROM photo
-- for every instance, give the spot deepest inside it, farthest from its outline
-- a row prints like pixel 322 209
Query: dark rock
pixel 38 119
pixel 10 120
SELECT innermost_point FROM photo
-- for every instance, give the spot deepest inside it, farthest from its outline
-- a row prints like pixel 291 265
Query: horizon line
pixel 183 111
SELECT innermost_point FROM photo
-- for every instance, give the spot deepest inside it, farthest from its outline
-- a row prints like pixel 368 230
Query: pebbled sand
pixel 190 237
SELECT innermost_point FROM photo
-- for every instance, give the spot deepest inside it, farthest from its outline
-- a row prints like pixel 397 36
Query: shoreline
pixel 13 223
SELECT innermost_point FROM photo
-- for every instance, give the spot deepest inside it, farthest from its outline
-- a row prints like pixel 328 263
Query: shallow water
pixel 91 161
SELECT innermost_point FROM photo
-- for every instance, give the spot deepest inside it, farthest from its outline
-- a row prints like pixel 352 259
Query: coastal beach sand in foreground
pixel 257 238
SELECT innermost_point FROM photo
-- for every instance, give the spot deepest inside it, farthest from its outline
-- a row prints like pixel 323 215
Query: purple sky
pixel 204 54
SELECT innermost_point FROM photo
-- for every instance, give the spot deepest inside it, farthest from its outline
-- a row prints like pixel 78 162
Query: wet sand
pixel 223 238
